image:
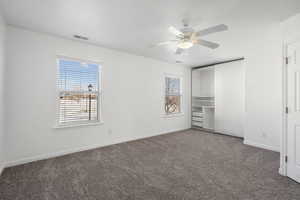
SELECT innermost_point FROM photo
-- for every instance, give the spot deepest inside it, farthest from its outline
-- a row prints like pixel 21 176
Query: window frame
pixel 99 120
pixel 178 114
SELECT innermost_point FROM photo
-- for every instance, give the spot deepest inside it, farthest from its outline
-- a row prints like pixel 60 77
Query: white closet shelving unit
pixel 203 112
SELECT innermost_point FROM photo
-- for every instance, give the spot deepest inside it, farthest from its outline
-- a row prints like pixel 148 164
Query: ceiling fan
pixel 187 37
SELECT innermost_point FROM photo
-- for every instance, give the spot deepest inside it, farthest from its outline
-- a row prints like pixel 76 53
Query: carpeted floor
pixel 183 165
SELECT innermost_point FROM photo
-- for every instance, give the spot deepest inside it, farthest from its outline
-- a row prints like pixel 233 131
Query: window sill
pixel 59 126
pixel 173 115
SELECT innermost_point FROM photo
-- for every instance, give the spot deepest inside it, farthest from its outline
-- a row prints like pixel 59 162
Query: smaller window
pixel 173 95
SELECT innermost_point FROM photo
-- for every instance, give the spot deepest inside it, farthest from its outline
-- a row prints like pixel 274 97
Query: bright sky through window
pixel 74 75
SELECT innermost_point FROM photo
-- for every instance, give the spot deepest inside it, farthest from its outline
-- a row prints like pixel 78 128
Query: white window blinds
pixel 78 86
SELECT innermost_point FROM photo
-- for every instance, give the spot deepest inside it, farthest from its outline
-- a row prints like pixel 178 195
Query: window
pixel 173 95
pixel 78 92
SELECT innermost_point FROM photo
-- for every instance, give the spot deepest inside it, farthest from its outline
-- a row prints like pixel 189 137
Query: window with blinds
pixel 78 91
pixel 173 95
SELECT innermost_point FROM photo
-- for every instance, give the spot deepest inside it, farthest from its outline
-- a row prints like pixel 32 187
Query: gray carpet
pixel 182 165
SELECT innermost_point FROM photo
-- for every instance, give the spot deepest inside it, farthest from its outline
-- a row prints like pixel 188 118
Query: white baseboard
pixel 75 150
pixel 282 171
pixel 259 145
pixel 230 133
pixel 1 169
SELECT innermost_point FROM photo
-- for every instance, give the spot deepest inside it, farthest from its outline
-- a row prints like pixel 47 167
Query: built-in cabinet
pixel 218 98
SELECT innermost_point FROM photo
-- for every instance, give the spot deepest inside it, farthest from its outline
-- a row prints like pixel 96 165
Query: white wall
pixel 132 103
pixel 290 29
pixel 2 52
pixel 230 98
pixel 261 45
pixel 263 53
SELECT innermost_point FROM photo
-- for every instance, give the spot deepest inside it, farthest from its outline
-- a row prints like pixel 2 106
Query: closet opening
pixel 218 97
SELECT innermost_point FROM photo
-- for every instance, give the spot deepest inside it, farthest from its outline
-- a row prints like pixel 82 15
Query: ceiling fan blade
pixel 175 31
pixel 167 42
pixel 164 43
pixel 179 51
pixel 208 44
pixel 213 29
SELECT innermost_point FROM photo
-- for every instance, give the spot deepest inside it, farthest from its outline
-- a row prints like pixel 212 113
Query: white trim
pixel 181 114
pixel 282 172
pixel 79 59
pixel 227 132
pixel 1 169
pixel 79 149
pixel 95 123
pixel 283 136
pixel 261 146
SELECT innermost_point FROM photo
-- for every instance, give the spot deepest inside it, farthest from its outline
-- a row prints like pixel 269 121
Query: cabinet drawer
pixel 198 119
pixel 200 124
pixel 197 114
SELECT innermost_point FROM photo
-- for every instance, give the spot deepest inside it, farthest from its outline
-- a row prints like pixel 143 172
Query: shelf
pixel 208 107
pixel 197 120
pixel 202 109
pixel 203 97
pixel 197 107
pixel 203 106
pixel 197 114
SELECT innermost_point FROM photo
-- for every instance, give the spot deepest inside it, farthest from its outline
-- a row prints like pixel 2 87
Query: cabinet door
pixel 230 98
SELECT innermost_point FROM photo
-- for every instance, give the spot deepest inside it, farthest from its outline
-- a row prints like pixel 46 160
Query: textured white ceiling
pixel 133 25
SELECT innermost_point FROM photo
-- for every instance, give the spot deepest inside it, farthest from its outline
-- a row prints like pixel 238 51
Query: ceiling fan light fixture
pixel 185 45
